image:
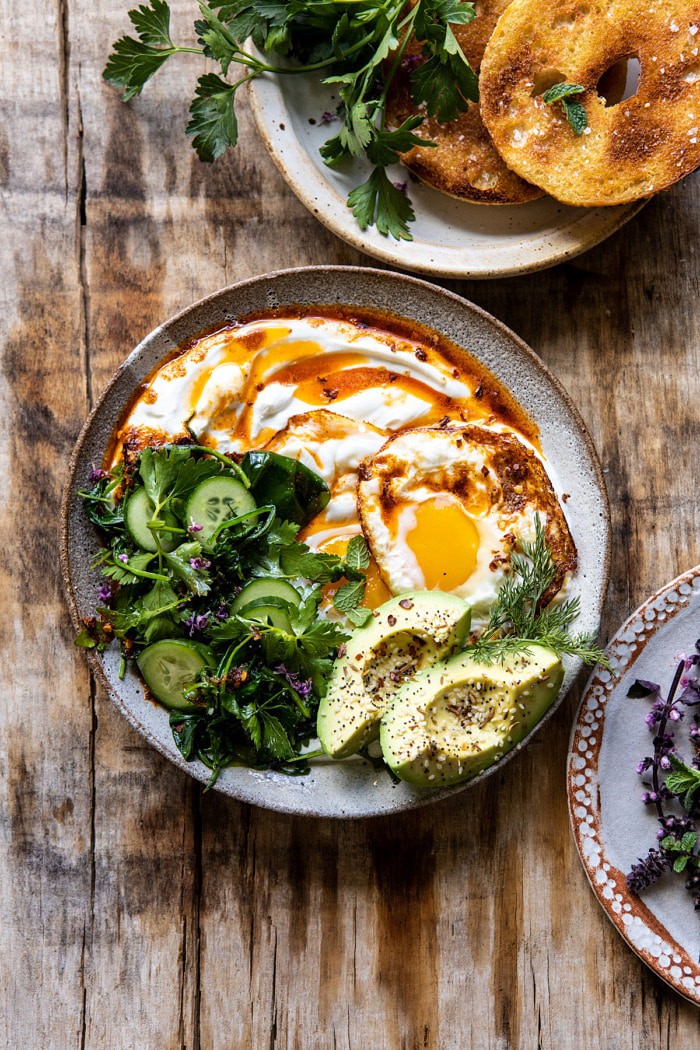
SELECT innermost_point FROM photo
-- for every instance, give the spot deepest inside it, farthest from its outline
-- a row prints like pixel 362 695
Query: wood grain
pixel 136 912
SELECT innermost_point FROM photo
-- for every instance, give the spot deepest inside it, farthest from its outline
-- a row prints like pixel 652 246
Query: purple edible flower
pixel 123 558
pixel 301 686
pixel 327 117
pixel 199 563
pixel 105 592
pixel 195 624
pixel 400 186
pixel 647 870
pixel 194 527
pixel 96 474
pixel 222 612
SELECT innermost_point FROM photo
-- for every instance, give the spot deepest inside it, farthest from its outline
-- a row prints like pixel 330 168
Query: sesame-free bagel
pixel 629 150
pixel 464 163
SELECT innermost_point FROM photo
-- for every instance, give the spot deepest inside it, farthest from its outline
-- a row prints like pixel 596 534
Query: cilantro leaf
pixel 213 118
pixel 378 202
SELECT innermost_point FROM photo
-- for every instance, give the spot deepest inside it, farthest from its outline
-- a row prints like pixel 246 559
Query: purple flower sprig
pixel 677 835
pixel 301 686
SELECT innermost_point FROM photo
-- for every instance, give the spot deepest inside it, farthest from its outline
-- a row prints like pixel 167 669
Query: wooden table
pixel 137 912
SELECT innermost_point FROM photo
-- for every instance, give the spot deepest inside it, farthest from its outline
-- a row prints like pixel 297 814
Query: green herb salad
pixel 207 589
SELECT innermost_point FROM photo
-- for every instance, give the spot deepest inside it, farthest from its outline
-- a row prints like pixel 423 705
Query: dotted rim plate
pixel 632 916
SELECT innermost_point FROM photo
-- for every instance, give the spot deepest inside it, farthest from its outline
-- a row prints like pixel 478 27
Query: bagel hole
pixel 546 79
pixel 620 81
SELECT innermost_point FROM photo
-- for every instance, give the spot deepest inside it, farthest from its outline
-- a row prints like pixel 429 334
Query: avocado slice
pixel 405 635
pixel 458 717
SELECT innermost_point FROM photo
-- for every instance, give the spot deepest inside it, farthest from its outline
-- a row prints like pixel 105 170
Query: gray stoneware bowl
pixel 351 788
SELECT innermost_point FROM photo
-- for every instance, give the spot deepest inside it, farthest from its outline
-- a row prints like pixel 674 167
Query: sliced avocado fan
pixel 458 717
pixel 405 635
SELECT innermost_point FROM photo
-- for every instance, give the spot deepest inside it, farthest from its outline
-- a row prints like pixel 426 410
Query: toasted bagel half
pixel 630 150
pixel 464 163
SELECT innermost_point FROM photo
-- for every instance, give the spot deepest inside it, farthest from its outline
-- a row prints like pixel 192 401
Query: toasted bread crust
pixel 630 150
pixel 464 163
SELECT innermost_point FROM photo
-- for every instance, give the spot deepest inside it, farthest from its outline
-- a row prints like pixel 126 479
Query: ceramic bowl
pixel 451 238
pixel 351 788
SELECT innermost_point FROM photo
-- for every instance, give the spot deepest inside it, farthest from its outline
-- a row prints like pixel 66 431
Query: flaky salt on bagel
pixel 464 163
pixel 629 150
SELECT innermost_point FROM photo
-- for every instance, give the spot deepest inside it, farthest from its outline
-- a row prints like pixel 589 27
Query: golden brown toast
pixel 630 150
pixel 464 163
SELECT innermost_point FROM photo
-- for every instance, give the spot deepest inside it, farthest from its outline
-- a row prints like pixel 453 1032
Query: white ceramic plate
pixel 611 826
pixel 351 788
pixel 451 238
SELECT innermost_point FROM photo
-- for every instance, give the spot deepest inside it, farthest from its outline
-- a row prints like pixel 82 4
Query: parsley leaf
pixel 133 62
pixel 179 561
pixel 378 202
pixel 213 118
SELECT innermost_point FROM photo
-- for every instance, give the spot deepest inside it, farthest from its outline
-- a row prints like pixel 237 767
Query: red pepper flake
pixel 342 649
pixel 444 421
pixel 391 620
pixel 565 497
pixel 406 603
pixel 421 355
pixel 485 471
pixel 330 394
pixel 479 392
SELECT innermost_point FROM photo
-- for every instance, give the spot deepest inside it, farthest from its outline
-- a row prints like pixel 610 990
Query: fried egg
pixel 445 507
pixel 421 447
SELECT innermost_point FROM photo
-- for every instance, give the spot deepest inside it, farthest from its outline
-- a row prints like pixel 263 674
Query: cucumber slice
pixel 138 512
pixel 262 590
pixel 170 666
pixel 275 613
pixel 216 500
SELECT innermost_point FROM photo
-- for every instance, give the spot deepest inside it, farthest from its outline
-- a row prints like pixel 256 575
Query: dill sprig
pixel 517 618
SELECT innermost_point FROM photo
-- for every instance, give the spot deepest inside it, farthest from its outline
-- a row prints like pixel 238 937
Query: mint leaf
pixel 378 202
pixel 680 863
pixel 213 119
pixel 360 616
pixel 349 595
pixel 575 114
pixel 357 555
pixel 684 780
pixel 574 110
pixel 560 91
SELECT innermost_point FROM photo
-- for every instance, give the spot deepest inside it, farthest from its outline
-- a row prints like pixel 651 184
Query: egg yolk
pixel 376 591
pixel 445 542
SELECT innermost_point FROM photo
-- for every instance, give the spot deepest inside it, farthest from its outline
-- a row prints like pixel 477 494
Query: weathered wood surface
pixel 136 912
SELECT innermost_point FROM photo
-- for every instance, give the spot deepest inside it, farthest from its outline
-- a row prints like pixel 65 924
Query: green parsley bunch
pixel 355 45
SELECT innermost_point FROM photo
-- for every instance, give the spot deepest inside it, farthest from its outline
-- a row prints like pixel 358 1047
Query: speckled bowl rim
pixel 71 487
pixel 623 654
pixel 304 179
